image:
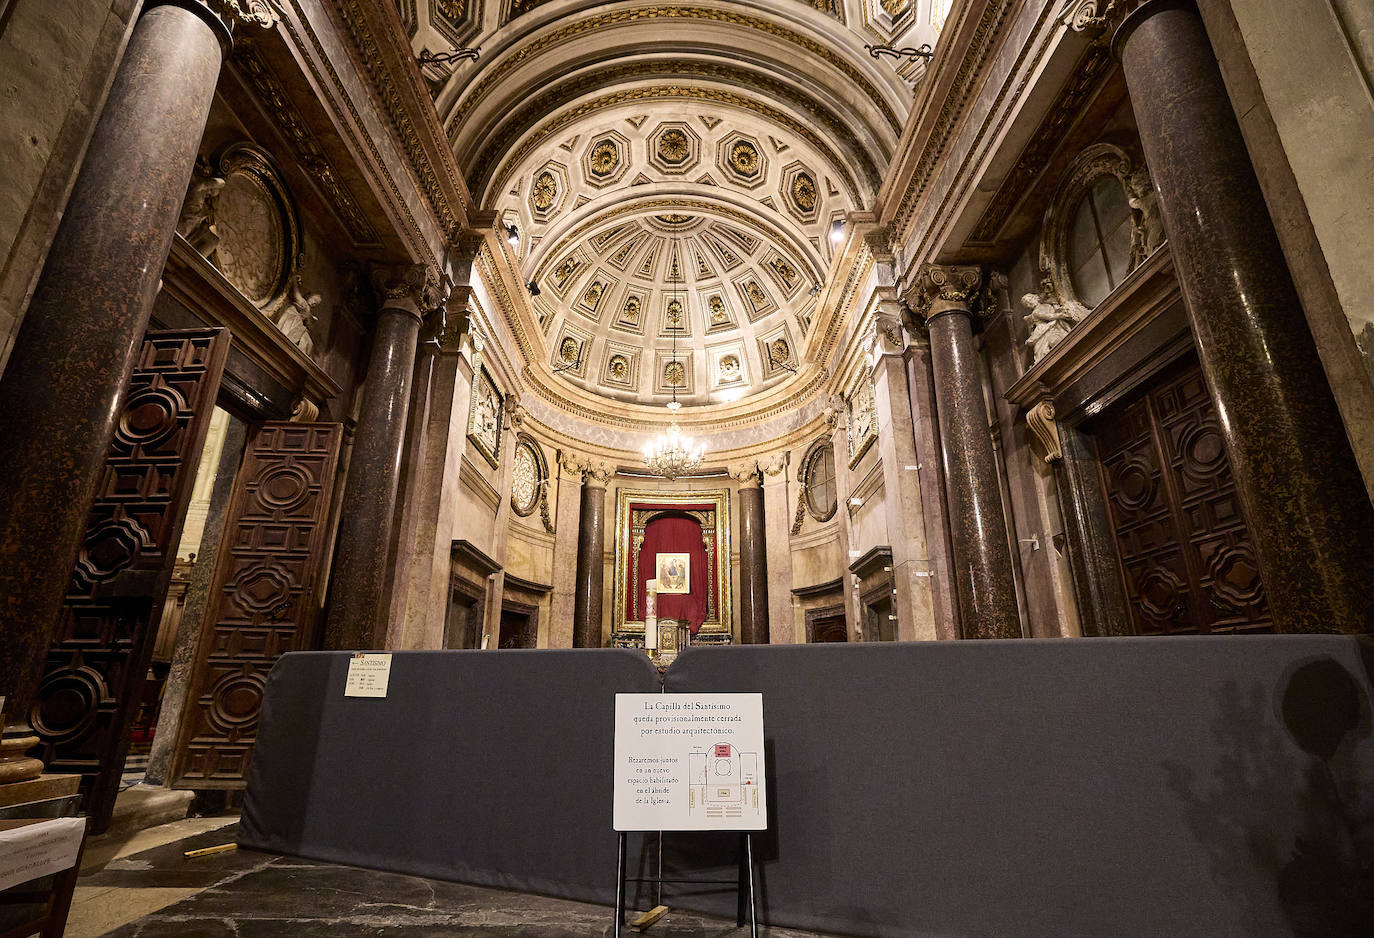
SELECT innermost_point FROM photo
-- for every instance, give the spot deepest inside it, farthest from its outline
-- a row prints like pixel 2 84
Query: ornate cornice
pixel 1035 156
pixel 964 86
pixel 484 174
pixel 572 31
pixel 305 146
pixel 315 53
pixel 444 192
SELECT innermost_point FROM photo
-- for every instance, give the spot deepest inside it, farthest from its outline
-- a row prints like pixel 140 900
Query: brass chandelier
pixel 671 455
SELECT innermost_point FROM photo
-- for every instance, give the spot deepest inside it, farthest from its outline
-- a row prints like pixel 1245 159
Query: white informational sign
pixel 31 849
pixel 689 762
pixel 368 675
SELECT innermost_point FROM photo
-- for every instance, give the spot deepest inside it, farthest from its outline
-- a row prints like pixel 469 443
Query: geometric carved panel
pixel 262 601
pixel 1186 557
pixel 102 645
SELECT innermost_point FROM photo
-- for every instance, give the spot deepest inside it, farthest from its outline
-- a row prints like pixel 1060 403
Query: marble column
pixel 978 528
pixel 73 356
pixel 591 558
pixel 777 520
pixel 367 517
pixel 753 558
pixel 1310 517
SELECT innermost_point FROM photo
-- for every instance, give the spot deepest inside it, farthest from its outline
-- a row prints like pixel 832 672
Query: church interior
pixel 947 371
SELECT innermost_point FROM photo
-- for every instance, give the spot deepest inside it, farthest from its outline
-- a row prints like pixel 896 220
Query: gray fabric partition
pixel 1108 787
pixel 1104 787
pixel 489 767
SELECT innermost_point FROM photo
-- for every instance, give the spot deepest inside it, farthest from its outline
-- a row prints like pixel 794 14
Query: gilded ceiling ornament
pixel 594 292
pixel 674 218
pixel 453 10
pixel 785 271
pixel 632 309
pixel 804 192
pixel 619 367
pixel 568 350
pixel 702 269
pixel 718 314
pixel 675 313
pixel 605 158
pixel 673 146
pixel 729 368
pixel 674 374
pixel 756 294
pixel 545 190
pixel 565 271
pixel 895 7
pixel 744 157
pixel 779 351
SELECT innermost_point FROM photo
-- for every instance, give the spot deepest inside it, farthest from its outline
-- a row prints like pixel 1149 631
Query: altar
pixel 682 541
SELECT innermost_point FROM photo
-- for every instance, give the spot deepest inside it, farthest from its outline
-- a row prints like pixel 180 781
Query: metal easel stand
pixel 744 884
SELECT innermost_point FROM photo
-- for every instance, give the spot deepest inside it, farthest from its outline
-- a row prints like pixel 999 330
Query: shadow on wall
pixel 1324 880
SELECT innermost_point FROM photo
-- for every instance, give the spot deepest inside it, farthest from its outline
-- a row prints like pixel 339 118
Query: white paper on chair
pixel 29 851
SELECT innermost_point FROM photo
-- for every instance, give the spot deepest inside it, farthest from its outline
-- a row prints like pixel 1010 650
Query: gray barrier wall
pixel 1107 787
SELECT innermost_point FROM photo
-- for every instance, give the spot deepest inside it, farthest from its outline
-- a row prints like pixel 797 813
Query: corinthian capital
pixel 250 12
pixel 774 464
pixel 413 288
pixel 945 287
pixel 745 473
pixel 1097 17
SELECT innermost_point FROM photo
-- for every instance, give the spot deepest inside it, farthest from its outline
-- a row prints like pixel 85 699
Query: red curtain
pixel 676 534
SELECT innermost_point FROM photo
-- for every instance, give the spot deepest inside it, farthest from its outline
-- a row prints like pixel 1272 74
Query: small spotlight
pixel 513 236
pixel 837 231
pixel 533 288
pixel 815 290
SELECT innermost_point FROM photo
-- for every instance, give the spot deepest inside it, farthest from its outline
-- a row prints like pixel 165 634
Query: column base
pixel 15 765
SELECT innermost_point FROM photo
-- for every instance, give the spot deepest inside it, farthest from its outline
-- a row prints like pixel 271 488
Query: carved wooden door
pixel 262 600
pixel 1186 556
pixel 104 635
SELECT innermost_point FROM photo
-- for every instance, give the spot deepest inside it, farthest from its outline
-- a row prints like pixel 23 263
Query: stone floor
pixel 148 889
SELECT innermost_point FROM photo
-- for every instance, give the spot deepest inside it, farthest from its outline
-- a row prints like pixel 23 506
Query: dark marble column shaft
pixel 753 566
pixel 1310 517
pixel 1088 538
pixel 73 356
pixel 978 528
pixel 591 564
pixel 367 520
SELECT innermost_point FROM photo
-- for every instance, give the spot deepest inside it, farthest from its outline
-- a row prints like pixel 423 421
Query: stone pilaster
pixel 978 528
pixel 912 578
pixel 778 549
pixel 358 604
pixel 591 557
pixel 1308 511
pixel 567 514
pixel 70 365
pixel 753 559
pixel 442 398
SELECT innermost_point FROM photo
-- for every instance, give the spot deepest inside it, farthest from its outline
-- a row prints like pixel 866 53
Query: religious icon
pixel 673 573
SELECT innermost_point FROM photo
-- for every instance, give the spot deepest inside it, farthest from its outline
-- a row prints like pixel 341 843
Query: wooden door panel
pixel 103 641
pixel 1186 557
pixel 262 599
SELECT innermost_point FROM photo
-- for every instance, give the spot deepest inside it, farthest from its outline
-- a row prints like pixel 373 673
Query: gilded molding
pixel 1040 420
pixel 572 31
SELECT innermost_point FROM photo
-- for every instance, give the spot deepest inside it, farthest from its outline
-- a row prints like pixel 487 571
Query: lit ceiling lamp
pixel 672 454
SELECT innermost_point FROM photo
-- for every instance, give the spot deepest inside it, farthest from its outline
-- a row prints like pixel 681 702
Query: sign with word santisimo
pixel 689 762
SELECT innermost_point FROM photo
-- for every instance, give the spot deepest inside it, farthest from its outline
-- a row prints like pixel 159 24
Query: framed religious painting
pixel 674 573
